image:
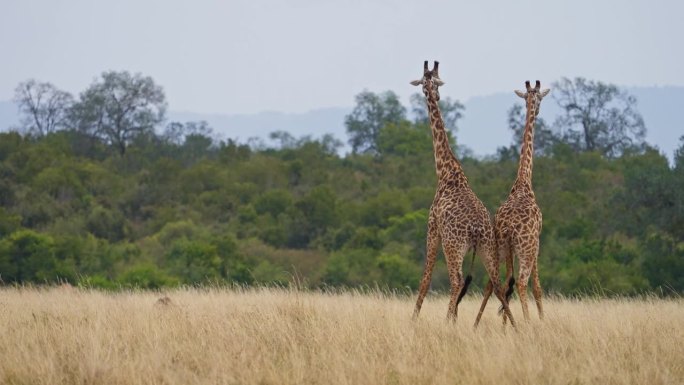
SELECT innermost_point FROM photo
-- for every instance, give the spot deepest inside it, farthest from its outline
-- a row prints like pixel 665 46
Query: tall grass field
pixel 282 336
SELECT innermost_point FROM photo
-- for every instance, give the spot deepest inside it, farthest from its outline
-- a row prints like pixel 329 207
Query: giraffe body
pixel 458 219
pixel 518 222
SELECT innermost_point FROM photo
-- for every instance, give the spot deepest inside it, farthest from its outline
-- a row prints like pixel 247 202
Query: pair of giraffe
pixel 460 222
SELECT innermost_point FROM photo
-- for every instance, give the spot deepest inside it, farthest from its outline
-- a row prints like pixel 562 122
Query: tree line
pixel 95 192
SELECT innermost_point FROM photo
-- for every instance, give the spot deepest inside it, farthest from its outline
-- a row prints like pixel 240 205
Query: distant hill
pixel 483 128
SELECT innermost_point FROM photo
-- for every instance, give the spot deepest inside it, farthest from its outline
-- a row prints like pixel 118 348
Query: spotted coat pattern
pixel 458 219
pixel 518 222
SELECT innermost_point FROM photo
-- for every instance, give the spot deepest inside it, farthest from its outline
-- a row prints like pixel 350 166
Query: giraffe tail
pixel 509 293
pixel 468 279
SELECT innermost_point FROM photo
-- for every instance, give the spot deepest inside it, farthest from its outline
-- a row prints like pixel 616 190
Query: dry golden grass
pixel 270 336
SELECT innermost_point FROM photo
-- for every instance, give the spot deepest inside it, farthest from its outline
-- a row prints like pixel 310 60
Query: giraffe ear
pixel 521 94
pixel 544 92
pixel 417 82
pixel 438 82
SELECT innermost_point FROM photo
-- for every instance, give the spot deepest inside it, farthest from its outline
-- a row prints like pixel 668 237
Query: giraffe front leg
pixel 432 244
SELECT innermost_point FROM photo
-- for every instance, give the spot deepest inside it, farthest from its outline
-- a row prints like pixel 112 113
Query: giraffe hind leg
pixel 537 290
pixel 527 259
pixel 432 244
pixel 523 278
pixel 487 253
pixel 454 257
pixel 510 287
pixel 506 251
pixel 466 284
pixel 487 294
pixel 464 290
pixel 457 287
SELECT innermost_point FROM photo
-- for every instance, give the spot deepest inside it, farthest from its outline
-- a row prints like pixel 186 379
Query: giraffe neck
pixel 526 153
pixel 445 160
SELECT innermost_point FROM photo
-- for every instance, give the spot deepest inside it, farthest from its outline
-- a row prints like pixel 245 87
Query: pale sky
pixel 236 56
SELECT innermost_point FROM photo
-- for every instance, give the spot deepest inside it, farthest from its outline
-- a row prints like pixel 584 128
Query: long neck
pixel 527 151
pixel 445 160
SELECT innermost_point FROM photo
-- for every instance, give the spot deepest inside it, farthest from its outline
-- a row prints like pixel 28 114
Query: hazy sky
pixel 292 56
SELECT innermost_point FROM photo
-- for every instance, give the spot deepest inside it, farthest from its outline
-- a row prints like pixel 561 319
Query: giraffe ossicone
pixel 538 94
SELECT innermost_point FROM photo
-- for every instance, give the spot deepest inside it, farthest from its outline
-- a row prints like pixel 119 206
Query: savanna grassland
pixel 281 336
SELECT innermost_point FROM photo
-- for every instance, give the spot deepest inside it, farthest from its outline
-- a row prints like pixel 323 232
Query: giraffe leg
pixel 487 294
pixel 502 253
pixel 537 290
pixel 456 287
pixel 491 262
pixel 507 251
pixel 432 244
pixel 498 290
pixel 454 257
pixel 507 310
pixel 523 278
pixel 509 272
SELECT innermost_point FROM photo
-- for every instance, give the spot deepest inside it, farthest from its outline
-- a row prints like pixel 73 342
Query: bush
pixel 267 273
pixel 195 261
pixel 28 256
pixel 96 282
pixel 398 272
pixel 146 277
pixel 106 224
pixel 351 268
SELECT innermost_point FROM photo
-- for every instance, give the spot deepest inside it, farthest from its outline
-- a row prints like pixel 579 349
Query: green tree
pixel 193 140
pixel 647 198
pixel 378 210
pixel 398 272
pixel 107 224
pixel 236 267
pixel 195 261
pixel 28 256
pixel 119 107
pixel 314 215
pixel 9 222
pixel 351 268
pixel 677 185
pixel 409 229
pixel 371 113
pixel 664 263
pixel 273 202
pixel 404 139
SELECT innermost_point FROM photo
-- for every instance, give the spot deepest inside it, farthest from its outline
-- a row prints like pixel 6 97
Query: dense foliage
pixel 183 208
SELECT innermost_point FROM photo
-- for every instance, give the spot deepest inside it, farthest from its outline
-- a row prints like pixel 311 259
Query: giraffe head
pixel 533 96
pixel 430 80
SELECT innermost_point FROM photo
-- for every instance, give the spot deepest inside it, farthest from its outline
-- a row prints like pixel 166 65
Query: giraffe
pixel 458 219
pixel 518 221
